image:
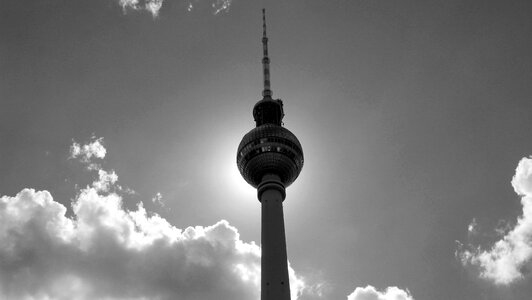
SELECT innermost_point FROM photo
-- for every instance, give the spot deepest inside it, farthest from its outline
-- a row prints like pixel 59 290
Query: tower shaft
pixel 275 283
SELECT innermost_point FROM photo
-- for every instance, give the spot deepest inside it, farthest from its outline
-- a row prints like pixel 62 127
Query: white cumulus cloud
pixel 508 259
pixel 106 252
pixel 158 199
pixel 85 153
pixel 221 5
pixel 217 6
pixel 472 228
pixel 154 6
pixel 370 293
pixel 151 6
pixel 105 180
pixel 100 250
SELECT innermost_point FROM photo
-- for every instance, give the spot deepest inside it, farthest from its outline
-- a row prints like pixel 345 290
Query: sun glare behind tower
pixel 270 158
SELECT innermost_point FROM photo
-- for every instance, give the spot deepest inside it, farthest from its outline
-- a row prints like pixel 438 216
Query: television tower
pixel 270 158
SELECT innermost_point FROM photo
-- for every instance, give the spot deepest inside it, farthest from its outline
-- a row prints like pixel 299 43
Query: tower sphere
pixel 269 149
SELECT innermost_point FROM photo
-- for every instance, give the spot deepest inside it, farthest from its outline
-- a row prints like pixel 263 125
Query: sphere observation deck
pixel 269 148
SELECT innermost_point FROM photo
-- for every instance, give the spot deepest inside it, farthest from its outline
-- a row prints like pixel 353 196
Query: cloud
pixel 370 293
pixel 472 228
pixel 103 251
pixel 85 153
pixel 154 6
pixel 105 181
pixel 158 198
pixel 509 258
pixel 217 6
pixel 221 5
pixel 151 6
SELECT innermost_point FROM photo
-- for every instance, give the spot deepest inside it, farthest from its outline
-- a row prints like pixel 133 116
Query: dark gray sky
pixel 413 116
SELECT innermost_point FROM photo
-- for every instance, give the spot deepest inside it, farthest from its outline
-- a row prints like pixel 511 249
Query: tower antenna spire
pixel 267 92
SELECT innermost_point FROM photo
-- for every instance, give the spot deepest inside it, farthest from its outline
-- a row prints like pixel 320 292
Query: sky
pixel 120 120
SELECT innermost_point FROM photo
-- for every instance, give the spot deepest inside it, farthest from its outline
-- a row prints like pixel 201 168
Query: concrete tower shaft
pixel 275 283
